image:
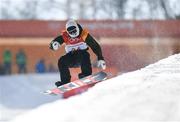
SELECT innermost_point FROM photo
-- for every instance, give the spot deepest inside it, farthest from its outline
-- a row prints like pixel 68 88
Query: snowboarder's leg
pixel 63 65
pixel 86 68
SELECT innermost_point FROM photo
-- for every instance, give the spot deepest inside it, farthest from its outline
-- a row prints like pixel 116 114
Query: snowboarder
pixel 76 40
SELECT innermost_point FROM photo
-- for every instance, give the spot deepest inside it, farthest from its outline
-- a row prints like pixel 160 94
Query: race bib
pixel 74 47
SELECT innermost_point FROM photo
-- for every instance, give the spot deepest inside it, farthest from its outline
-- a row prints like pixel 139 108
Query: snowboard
pixel 77 86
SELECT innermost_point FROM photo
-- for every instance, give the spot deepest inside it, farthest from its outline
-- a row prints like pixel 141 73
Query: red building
pixel 127 45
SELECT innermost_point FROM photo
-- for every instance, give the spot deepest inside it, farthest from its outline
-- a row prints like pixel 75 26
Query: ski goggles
pixel 72 30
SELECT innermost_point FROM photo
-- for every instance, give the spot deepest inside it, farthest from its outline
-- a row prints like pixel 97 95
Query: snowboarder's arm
pixel 91 42
pixel 54 45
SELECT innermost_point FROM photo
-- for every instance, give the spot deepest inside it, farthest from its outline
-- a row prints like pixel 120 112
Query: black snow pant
pixel 81 57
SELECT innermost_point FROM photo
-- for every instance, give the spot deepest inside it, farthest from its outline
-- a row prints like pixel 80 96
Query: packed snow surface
pixel 148 94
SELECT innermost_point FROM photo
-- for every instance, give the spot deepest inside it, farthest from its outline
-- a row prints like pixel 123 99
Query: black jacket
pixel 90 41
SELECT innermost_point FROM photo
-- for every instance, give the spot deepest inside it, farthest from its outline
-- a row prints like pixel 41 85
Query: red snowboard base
pixel 77 86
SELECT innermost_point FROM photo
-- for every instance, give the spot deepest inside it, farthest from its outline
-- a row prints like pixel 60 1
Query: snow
pixel 148 94
pixel 21 93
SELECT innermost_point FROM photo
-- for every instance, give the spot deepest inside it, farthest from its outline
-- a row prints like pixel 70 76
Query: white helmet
pixel 72 28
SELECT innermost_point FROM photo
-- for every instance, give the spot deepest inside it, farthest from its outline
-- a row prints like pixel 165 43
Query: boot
pixel 59 83
pixel 81 75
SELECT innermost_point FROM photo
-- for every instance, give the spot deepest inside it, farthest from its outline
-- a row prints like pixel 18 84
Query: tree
pixel 29 10
pixel 166 8
pixel 91 9
pixel 119 6
pixel 178 17
pixel 4 11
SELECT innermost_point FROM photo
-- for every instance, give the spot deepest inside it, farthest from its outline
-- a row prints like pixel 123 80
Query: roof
pixel 102 28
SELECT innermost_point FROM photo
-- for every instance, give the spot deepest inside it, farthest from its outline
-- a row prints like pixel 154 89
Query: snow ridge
pixel 148 94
